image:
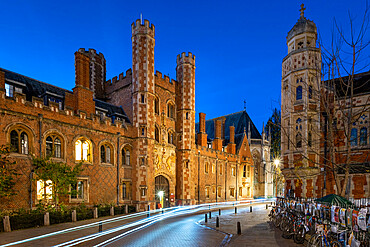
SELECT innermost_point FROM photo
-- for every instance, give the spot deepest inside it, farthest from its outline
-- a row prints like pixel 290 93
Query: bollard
pixel 219 211
pixel 126 209
pixel 100 227
pixel 6 222
pixel 267 206
pixel 74 216
pixel 236 210
pixel 250 209
pixel 46 219
pixel 205 218
pixel 111 211
pixel 162 211
pixel 271 203
pixel 148 214
pixel 209 206
pixel 95 212
pixel 238 228
pixel 217 222
pixel 210 216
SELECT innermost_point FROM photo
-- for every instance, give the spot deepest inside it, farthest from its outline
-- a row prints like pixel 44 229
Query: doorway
pixel 162 185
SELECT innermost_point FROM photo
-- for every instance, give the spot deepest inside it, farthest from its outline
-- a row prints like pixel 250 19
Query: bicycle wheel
pixel 335 243
pixel 315 241
pixel 299 235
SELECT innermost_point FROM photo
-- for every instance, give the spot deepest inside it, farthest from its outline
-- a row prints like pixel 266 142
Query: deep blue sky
pixel 239 45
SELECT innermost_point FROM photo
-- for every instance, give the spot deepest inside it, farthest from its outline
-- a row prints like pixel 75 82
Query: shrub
pixel 26 220
pixel 57 217
pixel 131 209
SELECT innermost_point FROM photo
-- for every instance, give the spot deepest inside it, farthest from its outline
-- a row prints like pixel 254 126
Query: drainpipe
pixel 198 176
pixel 216 179
pixel 118 168
pixel 225 179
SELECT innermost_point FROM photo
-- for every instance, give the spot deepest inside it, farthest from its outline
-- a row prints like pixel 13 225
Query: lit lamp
pixel 276 163
pixel 160 194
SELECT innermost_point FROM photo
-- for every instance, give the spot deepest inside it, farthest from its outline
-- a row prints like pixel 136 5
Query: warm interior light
pixel 160 193
pixel 276 162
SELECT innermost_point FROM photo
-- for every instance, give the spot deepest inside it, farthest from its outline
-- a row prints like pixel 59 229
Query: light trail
pixel 162 214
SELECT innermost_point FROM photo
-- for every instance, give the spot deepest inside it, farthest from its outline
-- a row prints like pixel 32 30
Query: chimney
pixel 217 142
pixel 2 80
pixel 231 147
pixel 202 135
pixel 83 96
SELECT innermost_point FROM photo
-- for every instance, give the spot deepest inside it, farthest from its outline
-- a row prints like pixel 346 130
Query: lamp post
pixel 276 163
pixel 160 194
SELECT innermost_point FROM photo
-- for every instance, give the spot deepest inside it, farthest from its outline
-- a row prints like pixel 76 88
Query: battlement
pixel 138 28
pixel 90 51
pixel 165 78
pixel 183 58
pixel 119 78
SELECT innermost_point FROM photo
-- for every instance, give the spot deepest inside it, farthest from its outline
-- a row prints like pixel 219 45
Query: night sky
pixel 239 45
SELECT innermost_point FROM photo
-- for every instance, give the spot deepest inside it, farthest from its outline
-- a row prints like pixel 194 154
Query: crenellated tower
pixel 300 104
pixel 185 123
pixel 143 91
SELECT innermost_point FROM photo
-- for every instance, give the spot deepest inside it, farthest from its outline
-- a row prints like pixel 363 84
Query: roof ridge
pixel 226 115
pixel 35 79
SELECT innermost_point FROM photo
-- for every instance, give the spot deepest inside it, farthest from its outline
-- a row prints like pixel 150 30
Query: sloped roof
pixel 112 110
pixel 303 25
pixel 361 84
pixel 34 87
pixel 38 89
pixel 240 120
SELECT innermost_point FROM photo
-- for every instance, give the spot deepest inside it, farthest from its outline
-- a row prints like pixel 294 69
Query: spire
pixel 302 10
pixel 245 107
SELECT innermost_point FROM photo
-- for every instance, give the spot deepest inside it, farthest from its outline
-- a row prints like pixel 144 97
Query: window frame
pixel 54 137
pixel 22 147
pixel 104 160
pixel 85 196
pixel 90 151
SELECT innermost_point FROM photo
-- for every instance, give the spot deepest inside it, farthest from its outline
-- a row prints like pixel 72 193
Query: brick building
pixel 135 134
pixel 313 112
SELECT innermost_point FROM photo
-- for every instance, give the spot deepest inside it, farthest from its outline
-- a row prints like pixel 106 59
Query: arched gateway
pixel 162 185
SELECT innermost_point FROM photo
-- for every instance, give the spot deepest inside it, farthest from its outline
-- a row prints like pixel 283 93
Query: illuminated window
pixel 143 191
pixel 19 141
pixel 83 150
pixel 53 146
pixel 9 90
pixel 106 154
pixel 207 192
pixel 213 168
pixel 233 171
pixel 44 190
pixel 213 189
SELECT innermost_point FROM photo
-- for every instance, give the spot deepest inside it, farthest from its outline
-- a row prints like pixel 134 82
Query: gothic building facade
pixel 312 114
pixel 135 135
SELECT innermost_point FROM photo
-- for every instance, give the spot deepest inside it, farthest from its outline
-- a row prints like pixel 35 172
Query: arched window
pixel 124 192
pixel 298 138
pixel 299 93
pixel 187 115
pixel 126 157
pixel 353 137
pixel 156 105
pixel 170 137
pixel 156 133
pixel 19 141
pixel 244 171
pixel 106 153
pixel 363 136
pixel 83 150
pixel 170 110
pixel 53 146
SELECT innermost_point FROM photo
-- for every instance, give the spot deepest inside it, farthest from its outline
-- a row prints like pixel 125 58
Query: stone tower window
pixel 156 133
pixel 156 105
pixel 170 110
pixel 126 156
pixel 363 136
pixel 298 140
pixel 299 93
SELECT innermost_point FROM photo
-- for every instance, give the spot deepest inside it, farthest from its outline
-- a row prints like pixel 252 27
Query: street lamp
pixel 160 194
pixel 276 163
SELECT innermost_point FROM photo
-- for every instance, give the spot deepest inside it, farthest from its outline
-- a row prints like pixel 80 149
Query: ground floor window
pixel 232 192
pixel 79 190
pixel 207 192
pixel 219 191
pixel 126 188
pixel 240 191
pixel 44 190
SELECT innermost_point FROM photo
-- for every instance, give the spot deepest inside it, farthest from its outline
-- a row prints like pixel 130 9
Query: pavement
pixel 255 227
pixel 255 231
